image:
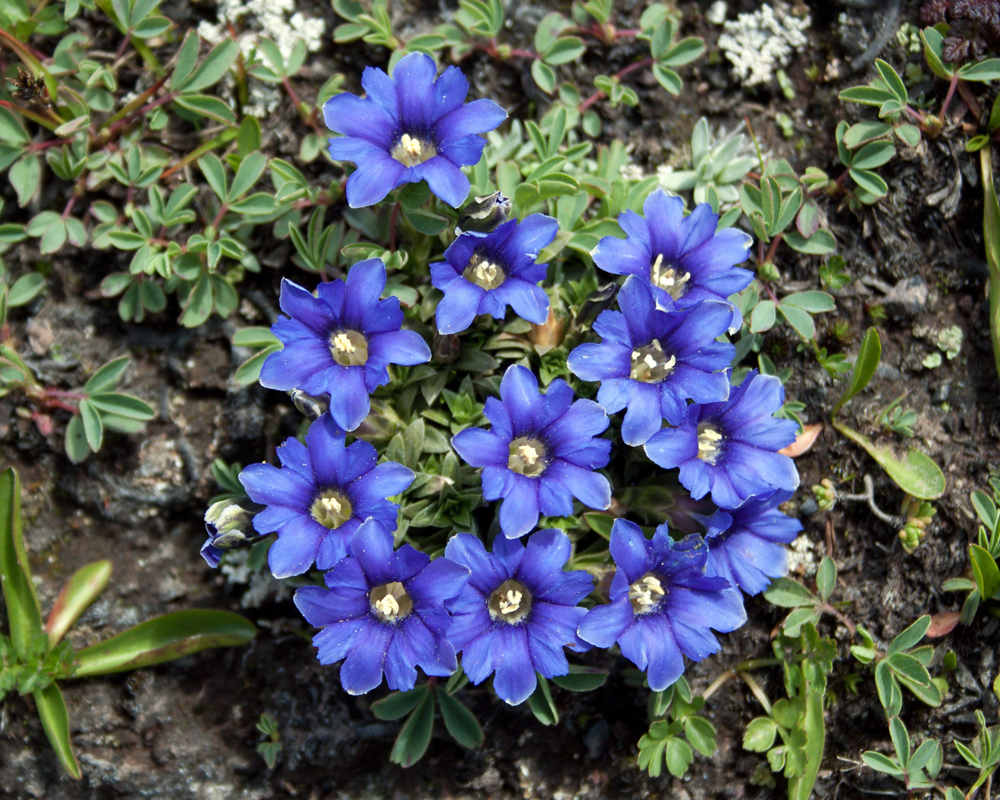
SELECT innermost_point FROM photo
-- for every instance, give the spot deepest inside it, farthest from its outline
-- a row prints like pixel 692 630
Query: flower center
pixel 483 272
pixel 410 150
pixel 708 443
pixel 390 602
pixel 527 457
pixel 331 508
pixel 510 603
pixel 349 348
pixel 646 593
pixel 672 281
pixel 650 364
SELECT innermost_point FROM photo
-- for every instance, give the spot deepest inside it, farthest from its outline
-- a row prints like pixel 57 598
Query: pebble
pixel 907 298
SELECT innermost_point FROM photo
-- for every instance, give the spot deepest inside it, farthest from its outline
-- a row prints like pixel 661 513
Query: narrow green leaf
pixel 916 473
pixel 892 80
pixel 415 736
pixel 92 426
pixel 701 734
pixel 215 65
pixel 164 638
pixel 991 236
pixel 786 593
pixel 870 181
pixel 460 722
pixel 82 589
pixel 24 614
pixel 123 405
pixel 77 448
pixel 826 577
pixel 251 168
pixel 906 666
pixel 541 703
pixel 864 367
pixel 25 289
pixel 881 763
pixel 52 712
pixel 205 105
pixel 910 637
pixel 985 570
pixel 581 679
pixel 398 704
pixel 107 376
pixel 900 741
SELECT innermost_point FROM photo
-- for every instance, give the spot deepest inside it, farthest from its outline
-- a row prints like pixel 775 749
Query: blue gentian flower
pixel 341 342
pixel 540 453
pixel 410 127
pixel 730 448
pixel 746 544
pixel 320 496
pixel 485 274
pixel 654 361
pixel 662 604
pixel 384 611
pixel 229 524
pixel 517 611
pixel 685 259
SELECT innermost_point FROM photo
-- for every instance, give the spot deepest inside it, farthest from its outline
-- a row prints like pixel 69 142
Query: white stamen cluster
pixel 708 449
pixel 645 593
pixel 411 146
pixel 331 505
pixel 528 454
pixel 388 607
pixel 343 343
pixel 669 279
pixel 486 272
pixel 511 602
pixel 650 364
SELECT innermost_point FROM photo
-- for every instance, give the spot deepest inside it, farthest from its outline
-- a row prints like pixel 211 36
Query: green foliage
pixel 983 555
pixel 418 706
pixel 271 746
pixel 715 169
pixel 34 658
pixel 902 665
pixel 675 732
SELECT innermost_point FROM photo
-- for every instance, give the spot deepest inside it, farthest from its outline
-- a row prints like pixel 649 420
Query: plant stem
pixel 947 98
pixel 393 218
pixel 24 112
pixel 618 76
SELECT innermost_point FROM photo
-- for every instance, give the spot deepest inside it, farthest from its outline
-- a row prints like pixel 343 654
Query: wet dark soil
pixel 186 730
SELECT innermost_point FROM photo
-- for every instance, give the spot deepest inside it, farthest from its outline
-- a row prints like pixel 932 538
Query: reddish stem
pixel 618 75
pixel 37 147
pixel 65 395
pixel 947 98
pixel 393 217
pixel 970 99
pixel 774 246
pixel 68 209
pixel 113 130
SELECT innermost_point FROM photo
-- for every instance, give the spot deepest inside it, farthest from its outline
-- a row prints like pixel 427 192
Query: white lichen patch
pixel 759 43
pixel 276 20
pixel 802 559
pixel 949 341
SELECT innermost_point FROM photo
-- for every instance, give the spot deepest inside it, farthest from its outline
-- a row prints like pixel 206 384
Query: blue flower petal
pixel 521 398
pixel 433 654
pixel 369 186
pixel 554 499
pixel 444 178
pixel 629 549
pixel 532 235
pixel 372 548
pixel 464 151
pixel 519 510
pixel 613 328
pixel 381 90
pixel 604 624
pixel 459 306
pixel 268 485
pixel 621 256
pixel 590 488
pixel 529 302
pixel 362 671
pixel 479 116
pixel 336 640
pixel 450 91
pixel 599 362
pixel 481 448
pixel 414 76
pixel 481 651
pixel 515 674
pixel 467 550
pixel 349 403
pixel 666 664
pixel 495 480
pixel 643 418
pixel 305 309
pixel 439 582
pixel 352 116
pixel 291 367
pixel 615 394
pixel 333 544
pixel 399 347
pixel 664 215
pixel 635 299
pixel 672 447
pixel 292 553
pixel 400 658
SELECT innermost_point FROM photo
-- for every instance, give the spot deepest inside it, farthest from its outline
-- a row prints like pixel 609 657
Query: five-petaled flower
pixel 411 127
pixel 746 544
pixel 662 604
pixel 518 610
pixel 485 274
pixel 654 361
pixel 685 259
pixel 320 496
pixel 341 342
pixel 730 448
pixel 384 611
pixel 540 453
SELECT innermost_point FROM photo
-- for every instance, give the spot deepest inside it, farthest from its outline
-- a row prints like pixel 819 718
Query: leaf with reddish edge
pixel 162 639
pixel 82 589
pixel 51 709
pixel 803 441
pixel 24 615
pixel 942 624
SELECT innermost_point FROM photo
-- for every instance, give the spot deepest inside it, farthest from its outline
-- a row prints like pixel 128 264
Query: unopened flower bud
pixel 312 407
pixel 825 493
pixel 229 525
pixel 549 335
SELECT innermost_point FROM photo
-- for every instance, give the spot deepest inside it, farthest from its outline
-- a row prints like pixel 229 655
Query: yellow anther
pixel 486 272
pixel 343 343
pixel 411 146
pixel 331 504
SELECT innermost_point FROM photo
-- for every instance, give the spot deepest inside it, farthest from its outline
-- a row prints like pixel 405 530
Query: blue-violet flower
pixel 320 496
pixel 384 611
pixel 746 544
pixel 685 259
pixel 654 361
pixel 540 453
pixel 410 127
pixel 341 342
pixel 483 274
pixel 662 605
pixel 517 611
pixel 730 448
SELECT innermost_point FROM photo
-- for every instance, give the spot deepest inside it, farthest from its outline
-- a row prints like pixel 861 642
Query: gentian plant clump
pixel 480 554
